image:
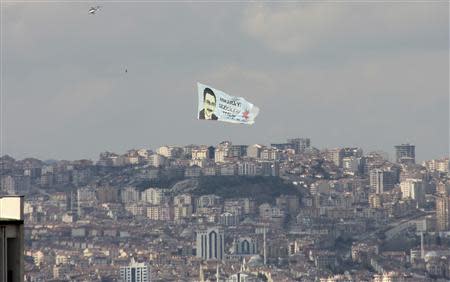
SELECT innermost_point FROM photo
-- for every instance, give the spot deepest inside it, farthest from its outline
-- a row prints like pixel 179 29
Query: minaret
pixel 201 274
pixel 264 244
pixel 422 248
pixel 243 265
pixel 217 273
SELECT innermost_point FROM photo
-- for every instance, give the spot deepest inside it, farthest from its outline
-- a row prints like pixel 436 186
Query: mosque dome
pixel 186 233
pixel 430 255
pixel 255 260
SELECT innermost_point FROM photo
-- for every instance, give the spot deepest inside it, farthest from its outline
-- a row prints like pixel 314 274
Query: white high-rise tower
pixel 135 272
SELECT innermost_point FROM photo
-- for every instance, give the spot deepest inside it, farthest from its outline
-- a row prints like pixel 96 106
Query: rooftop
pixel 11 209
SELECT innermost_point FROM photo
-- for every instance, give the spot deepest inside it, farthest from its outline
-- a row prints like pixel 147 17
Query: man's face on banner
pixel 210 105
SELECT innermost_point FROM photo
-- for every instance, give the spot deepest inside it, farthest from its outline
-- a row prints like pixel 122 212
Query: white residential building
pixel 135 272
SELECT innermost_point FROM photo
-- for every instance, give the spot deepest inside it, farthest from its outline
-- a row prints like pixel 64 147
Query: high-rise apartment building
pixel 220 155
pixel 130 195
pixel 381 179
pixel 135 272
pixel 443 188
pixel 182 206
pixel 405 153
pixel 351 165
pixel 247 168
pixel 238 151
pixel 269 154
pixel 222 152
pixel 300 144
pixel 413 189
pixel 170 151
pixel 107 194
pixel 442 212
pixel 153 196
pixel 157 160
pixel 442 165
pixel 16 184
pixel 200 153
pixel 254 151
pixel 336 155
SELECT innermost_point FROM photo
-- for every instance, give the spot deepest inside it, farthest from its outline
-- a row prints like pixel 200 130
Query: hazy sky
pixel 343 74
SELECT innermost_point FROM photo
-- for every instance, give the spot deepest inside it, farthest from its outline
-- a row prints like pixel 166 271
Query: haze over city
pixel 357 74
pixel 227 141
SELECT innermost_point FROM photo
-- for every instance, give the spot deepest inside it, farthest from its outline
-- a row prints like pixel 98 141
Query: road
pixel 395 227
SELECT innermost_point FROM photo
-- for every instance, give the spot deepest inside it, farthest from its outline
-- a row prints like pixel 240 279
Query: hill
pixel 262 189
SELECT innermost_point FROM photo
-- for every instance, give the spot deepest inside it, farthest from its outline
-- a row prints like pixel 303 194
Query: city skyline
pixel 371 76
pixel 230 212
pixel 391 156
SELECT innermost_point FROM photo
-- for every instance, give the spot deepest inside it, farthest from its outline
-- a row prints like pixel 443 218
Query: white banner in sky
pixel 214 104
